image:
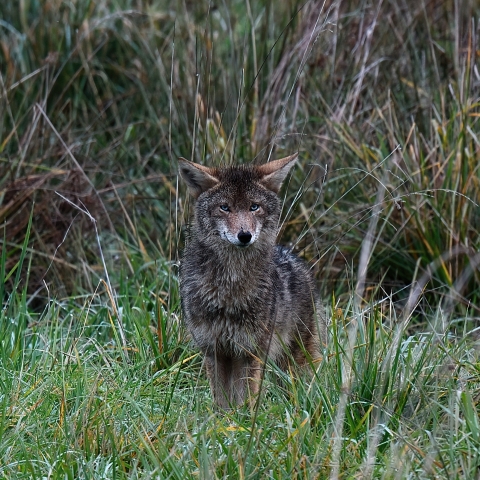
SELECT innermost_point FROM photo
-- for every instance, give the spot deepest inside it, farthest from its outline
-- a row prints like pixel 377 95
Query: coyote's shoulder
pixel 243 297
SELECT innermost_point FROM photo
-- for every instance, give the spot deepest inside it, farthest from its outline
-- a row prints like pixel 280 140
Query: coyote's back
pixel 243 297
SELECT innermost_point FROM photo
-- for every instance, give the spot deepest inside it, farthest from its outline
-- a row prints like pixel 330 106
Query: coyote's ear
pixel 197 177
pixel 274 173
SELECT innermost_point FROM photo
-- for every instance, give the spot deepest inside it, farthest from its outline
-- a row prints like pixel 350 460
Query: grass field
pixel 98 378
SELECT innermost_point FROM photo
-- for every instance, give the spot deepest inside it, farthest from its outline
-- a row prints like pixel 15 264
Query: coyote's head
pixel 237 205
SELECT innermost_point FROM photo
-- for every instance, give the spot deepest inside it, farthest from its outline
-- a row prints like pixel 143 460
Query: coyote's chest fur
pixel 229 299
pixel 243 298
pixel 230 284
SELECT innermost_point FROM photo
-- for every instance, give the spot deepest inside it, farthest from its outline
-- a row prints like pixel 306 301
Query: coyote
pixel 244 299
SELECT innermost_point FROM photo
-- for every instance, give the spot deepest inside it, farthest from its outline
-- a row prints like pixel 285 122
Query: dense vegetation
pixel 99 99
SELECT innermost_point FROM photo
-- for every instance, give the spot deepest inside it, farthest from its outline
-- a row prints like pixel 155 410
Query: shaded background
pixel 99 99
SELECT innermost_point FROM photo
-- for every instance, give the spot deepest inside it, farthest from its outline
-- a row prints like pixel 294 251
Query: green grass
pixel 98 378
pixel 79 402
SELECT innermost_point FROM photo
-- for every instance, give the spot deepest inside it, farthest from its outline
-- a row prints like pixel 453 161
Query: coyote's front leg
pixel 219 372
pixel 246 374
pixel 232 379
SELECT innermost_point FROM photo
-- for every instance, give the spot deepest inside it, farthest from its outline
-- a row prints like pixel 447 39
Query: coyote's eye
pixel 254 207
pixel 224 208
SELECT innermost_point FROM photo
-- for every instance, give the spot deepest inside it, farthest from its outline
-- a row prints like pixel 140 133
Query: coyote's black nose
pixel 244 237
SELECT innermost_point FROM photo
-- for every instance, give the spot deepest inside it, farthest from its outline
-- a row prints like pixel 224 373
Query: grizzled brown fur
pixel 243 297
